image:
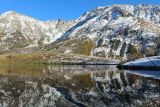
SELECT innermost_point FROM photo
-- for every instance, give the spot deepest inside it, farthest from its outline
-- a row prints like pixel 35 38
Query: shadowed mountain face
pixel 77 86
pixel 125 31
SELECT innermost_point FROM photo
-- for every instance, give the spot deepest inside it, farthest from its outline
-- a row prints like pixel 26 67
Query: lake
pixel 77 86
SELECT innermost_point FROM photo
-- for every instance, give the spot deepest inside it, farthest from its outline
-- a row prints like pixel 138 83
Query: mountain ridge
pixel 116 31
pixel 15 27
pixel 136 25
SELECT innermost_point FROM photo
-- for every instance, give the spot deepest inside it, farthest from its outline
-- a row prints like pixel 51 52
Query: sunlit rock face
pixel 116 31
pixel 19 31
pixel 119 30
pixel 77 86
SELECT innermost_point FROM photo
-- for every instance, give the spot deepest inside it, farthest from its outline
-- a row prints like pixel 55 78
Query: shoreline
pixel 54 58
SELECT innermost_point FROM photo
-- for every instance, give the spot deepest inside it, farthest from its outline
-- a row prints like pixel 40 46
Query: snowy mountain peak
pixel 117 28
pixel 117 31
pixel 9 12
pixel 19 31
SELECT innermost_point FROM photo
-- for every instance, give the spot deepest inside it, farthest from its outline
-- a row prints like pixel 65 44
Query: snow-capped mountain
pixel 118 30
pixel 19 31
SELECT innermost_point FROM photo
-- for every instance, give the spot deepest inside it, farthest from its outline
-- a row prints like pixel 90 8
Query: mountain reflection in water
pixel 82 86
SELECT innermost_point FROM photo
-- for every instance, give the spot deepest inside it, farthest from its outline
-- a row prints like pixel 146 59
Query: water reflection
pixel 35 86
pixel 149 74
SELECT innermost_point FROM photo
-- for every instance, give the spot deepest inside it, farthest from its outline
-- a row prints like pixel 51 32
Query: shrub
pixel 133 53
pixel 132 50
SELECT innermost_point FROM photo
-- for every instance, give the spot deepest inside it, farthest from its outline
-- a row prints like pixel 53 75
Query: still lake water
pixel 77 86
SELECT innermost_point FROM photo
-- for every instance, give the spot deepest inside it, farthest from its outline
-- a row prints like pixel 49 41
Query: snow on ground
pixel 150 61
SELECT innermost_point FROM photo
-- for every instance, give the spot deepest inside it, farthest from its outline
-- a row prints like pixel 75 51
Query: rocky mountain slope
pixel 116 31
pixel 19 31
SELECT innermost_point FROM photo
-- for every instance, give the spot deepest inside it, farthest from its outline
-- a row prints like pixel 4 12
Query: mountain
pixel 19 31
pixel 117 31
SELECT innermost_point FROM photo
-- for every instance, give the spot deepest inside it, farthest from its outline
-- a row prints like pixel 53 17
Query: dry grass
pixel 48 57
pixel 81 46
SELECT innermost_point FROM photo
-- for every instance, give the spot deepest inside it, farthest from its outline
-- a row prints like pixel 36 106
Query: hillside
pixel 117 31
pixel 126 31
pixel 19 31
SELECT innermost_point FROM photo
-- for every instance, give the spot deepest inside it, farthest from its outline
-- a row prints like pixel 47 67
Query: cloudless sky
pixel 61 9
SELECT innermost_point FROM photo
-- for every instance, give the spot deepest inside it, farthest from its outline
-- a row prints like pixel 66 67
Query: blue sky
pixel 61 9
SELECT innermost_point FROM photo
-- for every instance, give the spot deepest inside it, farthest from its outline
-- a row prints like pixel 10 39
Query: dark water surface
pixel 77 86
